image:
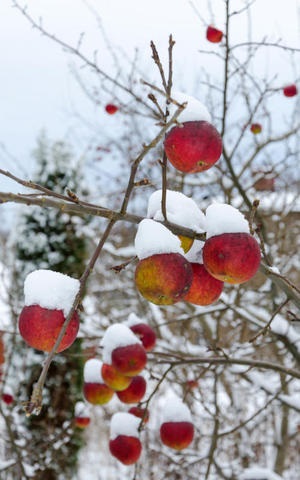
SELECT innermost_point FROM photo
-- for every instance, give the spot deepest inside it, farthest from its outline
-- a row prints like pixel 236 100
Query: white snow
pixel 117 335
pixel 154 238
pixel 194 110
pixel 81 409
pixel 92 371
pixel 123 423
pixel 259 473
pixel 181 210
pixel 176 411
pixel 51 290
pixel 223 218
pixel 194 255
pixel 133 319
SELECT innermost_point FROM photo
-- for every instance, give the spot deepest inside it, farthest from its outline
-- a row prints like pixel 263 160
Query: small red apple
pixel 7 398
pixel 163 278
pixel 177 435
pixel 213 34
pixel 40 328
pixel 193 146
pixel 290 90
pixel 110 108
pixel 146 334
pixel 114 379
pixel 124 443
pixel 97 393
pixel 140 412
pixel 126 449
pixel 135 392
pixel 205 289
pixel 192 384
pixel 256 128
pixel 232 257
pixel 82 422
pixel 130 359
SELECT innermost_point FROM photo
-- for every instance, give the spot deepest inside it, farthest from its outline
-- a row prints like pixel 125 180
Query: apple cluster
pixel 166 273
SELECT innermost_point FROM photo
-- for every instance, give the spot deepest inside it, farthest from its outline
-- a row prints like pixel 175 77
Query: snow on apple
pixel 153 238
pixel 177 429
pixel 223 218
pixel 230 253
pixel 180 209
pixel 51 290
pixel 124 441
pixel 194 110
pixel 115 336
pixel 95 390
pixel 123 350
pixel 163 275
pixel 49 297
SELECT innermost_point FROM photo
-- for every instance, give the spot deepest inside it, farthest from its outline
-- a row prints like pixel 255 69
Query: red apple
pixel 135 392
pixel 205 289
pixel 127 449
pixel 290 90
pixel 140 412
pixel 110 108
pixel 97 393
pixel 213 34
pixel 177 435
pixel 163 278
pixel 7 398
pixel 114 379
pixel 192 384
pixel 130 359
pixel 193 146
pixel 82 422
pixel 146 334
pixel 231 257
pixel 40 328
pixel 256 128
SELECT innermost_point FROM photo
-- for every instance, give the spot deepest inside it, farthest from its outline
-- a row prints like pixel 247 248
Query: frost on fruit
pixel 181 210
pixel 223 218
pixel 115 336
pixel 194 109
pixel 154 238
pixel 51 290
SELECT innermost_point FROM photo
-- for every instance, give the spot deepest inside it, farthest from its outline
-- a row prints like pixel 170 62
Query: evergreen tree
pixel 52 240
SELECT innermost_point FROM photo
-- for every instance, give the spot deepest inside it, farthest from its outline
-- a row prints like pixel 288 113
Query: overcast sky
pixel 37 88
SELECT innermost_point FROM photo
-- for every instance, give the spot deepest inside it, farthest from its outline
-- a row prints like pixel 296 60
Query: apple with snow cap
pixel 123 350
pixel 7 395
pixel 81 415
pixel 95 390
pixel 193 146
pixel 230 253
pixel 163 276
pixel 124 441
pixel 177 429
pixel 290 90
pixel 180 210
pixel 213 34
pixel 49 297
pixel 135 392
pixel 143 331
